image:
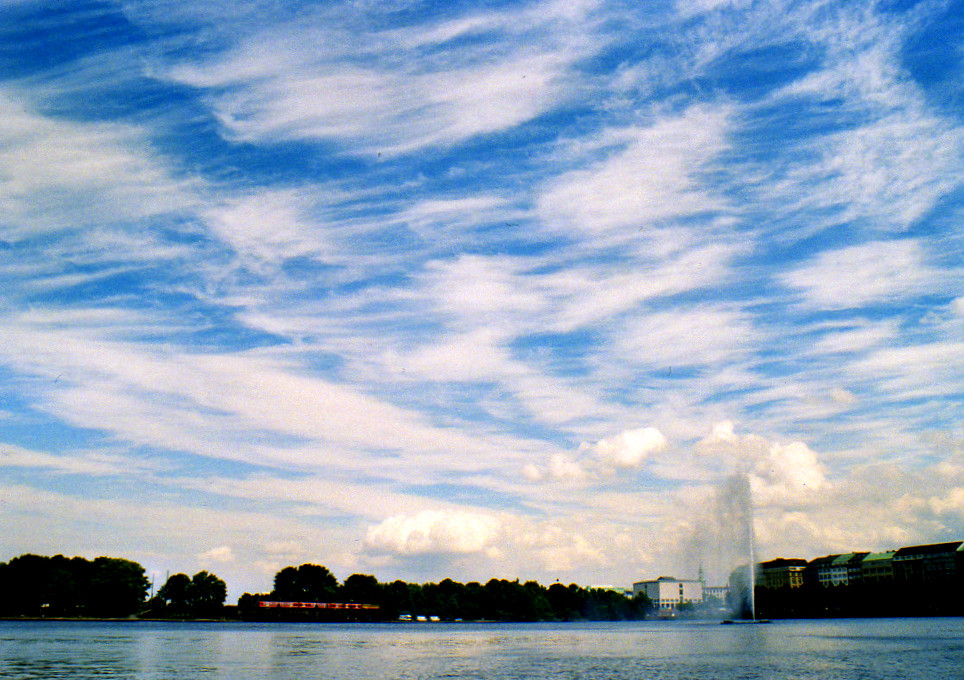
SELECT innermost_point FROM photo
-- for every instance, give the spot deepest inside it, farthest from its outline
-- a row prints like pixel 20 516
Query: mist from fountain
pixel 724 540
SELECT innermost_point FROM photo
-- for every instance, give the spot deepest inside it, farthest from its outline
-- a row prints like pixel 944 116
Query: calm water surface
pixel 921 649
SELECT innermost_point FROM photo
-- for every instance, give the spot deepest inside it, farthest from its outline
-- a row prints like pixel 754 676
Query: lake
pixel 826 649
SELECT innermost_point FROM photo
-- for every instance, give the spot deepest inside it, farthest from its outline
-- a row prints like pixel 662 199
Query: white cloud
pixel 894 159
pixel 211 404
pixel 723 431
pixel 952 503
pixel 91 464
pixel 779 473
pixel 598 461
pixel 436 219
pixel 843 396
pixel 485 289
pixel 687 337
pixel 893 171
pixel 652 177
pixel 630 448
pixel 478 355
pixel 858 338
pixel 914 371
pixel 865 274
pixel 268 227
pixel 55 171
pixel 222 554
pixel 435 532
pixel 566 468
pixel 560 549
pixel 387 96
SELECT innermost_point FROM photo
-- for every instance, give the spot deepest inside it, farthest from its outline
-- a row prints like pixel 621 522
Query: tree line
pixel 107 587
pixel 34 585
pixel 448 600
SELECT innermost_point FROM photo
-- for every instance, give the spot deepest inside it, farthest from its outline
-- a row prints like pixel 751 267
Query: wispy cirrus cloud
pixel 432 86
pixel 867 274
pixel 650 177
pixel 430 291
pixel 59 172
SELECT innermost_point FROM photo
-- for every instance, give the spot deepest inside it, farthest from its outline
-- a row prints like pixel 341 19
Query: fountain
pixel 737 490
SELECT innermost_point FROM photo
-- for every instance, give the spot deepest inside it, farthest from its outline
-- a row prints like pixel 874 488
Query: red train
pixel 268 604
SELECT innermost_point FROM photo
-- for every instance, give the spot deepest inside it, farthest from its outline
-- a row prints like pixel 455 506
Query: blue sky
pixel 474 290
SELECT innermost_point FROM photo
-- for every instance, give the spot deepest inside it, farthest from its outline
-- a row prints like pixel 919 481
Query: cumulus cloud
pixel 558 548
pixel 842 396
pixel 435 532
pixel 595 461
pixel 566 468
pixel 779 473
pixel 630 448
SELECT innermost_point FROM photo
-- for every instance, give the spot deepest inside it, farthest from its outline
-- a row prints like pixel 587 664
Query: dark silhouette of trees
pixel 182 597
pixel 307 583
pixel 361 588
pixel 448 600
pixel 117 587
pixel 34 585
pixel 207 595
pixel 174 597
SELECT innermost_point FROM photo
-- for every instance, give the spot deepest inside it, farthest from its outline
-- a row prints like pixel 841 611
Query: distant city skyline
pixel 475 290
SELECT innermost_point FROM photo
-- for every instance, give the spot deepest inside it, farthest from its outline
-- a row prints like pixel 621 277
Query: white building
pixel 667 593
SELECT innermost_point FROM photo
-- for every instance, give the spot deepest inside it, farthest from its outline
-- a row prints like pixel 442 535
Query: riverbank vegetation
pixel 106 587
pixel 448 600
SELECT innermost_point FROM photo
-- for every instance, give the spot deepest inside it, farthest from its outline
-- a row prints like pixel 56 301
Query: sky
pixel 478 290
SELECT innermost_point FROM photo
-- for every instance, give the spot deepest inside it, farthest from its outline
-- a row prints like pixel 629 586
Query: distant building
pixel 846 569
pixel 935 562
pixel 782 573
pixel 878 567
pixel 667 593
pixel 835 570
pixel 720 593
pixel 819 571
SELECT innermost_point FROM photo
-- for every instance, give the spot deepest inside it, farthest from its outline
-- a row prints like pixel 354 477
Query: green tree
pixel 362 588
pixel 117 587
pixel 175 594
pixel 397 599
pixel 23 585
pixel 564 601
pixel 307 583
pixel 206 594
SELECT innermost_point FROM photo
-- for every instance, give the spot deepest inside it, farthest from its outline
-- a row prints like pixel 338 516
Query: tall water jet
pixel 723 541
pixel 745 495
pixel 737 497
